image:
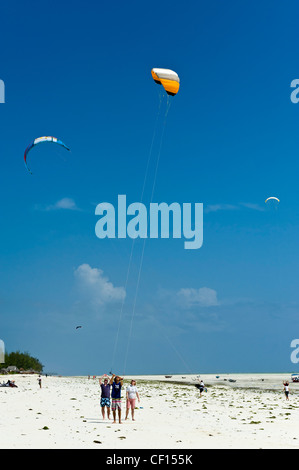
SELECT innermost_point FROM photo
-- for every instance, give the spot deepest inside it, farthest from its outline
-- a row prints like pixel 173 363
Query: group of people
pixel 111 389
pixel 9 383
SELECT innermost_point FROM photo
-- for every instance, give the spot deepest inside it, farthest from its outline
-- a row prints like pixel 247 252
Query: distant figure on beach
pixel 105 395
pixel 117 383
pixel 201 387
pixel 132 394
pixel 286 389
pixel 39 381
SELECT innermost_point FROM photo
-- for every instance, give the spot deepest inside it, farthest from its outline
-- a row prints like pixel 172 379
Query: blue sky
pixel 231 140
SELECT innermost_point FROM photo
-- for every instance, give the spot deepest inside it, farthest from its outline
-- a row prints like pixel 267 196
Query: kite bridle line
pixel 144 241
pixel 161 96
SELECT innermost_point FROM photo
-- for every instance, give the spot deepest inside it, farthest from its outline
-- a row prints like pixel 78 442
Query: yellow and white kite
pixel 168 78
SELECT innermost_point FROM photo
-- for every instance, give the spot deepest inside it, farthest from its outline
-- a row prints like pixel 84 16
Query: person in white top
pixel 132 394
pixel 286 389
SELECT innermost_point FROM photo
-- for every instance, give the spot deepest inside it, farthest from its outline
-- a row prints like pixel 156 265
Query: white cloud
pixel 253 206
pixel 99 289
pixel 233 207
pixel 202 297
pixel 220 207
pixel 65 203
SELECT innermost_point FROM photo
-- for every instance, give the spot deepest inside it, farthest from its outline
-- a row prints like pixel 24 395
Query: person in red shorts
pixel 132 394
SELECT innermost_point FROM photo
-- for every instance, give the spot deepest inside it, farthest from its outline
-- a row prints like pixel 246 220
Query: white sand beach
pixel 65 413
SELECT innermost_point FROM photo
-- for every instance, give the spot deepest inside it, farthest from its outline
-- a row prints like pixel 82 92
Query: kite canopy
pixel 272 197
pixel 40 140
pixel 168 78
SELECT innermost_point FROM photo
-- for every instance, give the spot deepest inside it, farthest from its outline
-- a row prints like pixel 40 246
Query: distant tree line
pixel 22 361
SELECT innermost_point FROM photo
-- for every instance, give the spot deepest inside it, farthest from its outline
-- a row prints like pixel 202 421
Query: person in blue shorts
pixel 116 382
pixel 105 395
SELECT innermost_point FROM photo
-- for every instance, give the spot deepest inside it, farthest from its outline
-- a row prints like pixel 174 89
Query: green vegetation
pixel 22 361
